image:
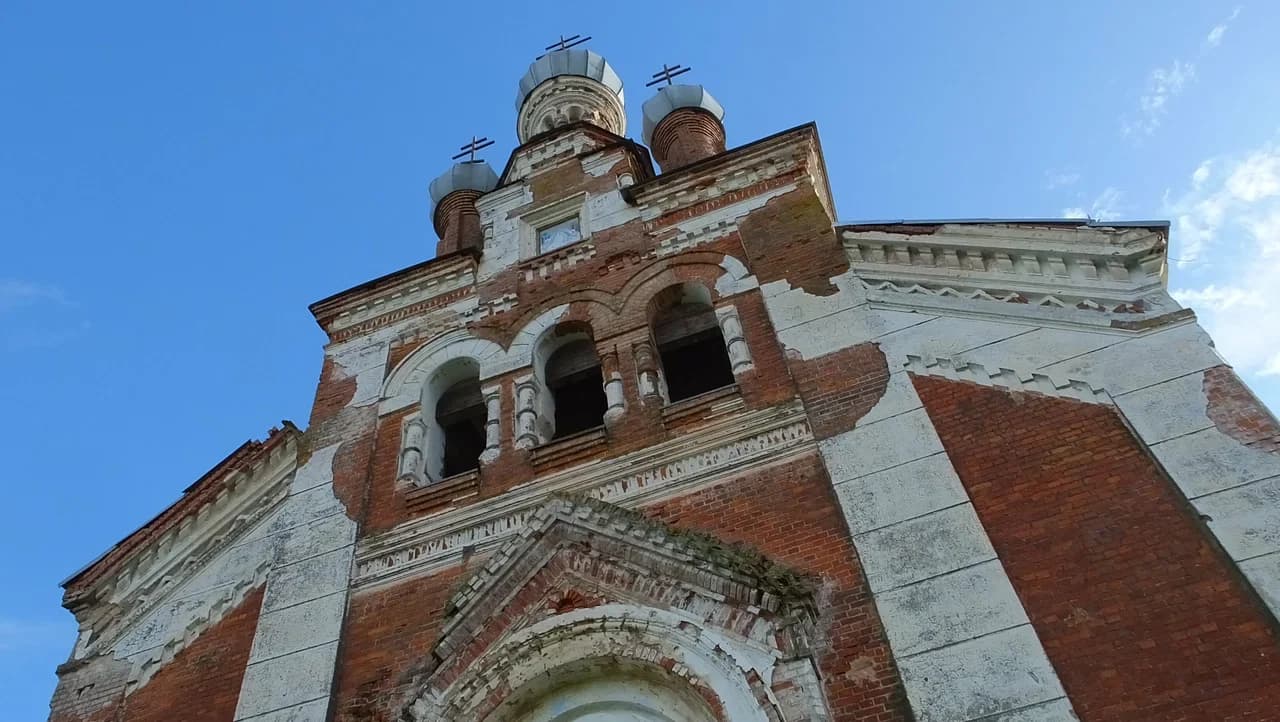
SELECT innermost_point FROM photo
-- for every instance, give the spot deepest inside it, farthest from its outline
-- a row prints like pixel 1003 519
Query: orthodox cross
pixel 667 73
pixel 470 149
pixel 565 43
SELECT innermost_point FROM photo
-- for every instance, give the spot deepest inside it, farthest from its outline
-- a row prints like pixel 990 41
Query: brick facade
pixel 1143 618
pixel 817 534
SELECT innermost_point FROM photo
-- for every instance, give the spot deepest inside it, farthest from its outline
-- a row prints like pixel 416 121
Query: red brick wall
pixel 789 512
pixel 1142 616
pixel 841 387
pixel 388 631
pixel 202 683
pixel 687 135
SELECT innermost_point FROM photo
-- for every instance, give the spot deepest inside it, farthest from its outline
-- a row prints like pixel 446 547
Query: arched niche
pixel 606 689
pixel 565 393
pixel 451 432
pixel 690 344
pixel 719 677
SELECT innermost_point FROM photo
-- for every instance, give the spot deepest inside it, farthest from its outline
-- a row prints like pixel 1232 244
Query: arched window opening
pixel 461 416
pixel 690 344
pixel 576 385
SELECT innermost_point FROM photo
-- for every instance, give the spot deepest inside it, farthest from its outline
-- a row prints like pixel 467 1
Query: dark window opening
pixel 577 388
pixel 695 364
pixel 461 415
pixel 691 348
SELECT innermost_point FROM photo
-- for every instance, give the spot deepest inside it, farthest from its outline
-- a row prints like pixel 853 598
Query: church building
pixel 654 437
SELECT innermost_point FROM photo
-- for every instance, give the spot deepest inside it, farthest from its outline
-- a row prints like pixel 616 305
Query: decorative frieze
pixel 669 469
pixel 1032 381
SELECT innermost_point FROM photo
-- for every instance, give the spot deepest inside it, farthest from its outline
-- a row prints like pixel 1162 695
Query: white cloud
pixel 1227 248
pixel 1106 207
pixel 15 294
pixel 1060 178
pixel 1214 38
pixel 1163 84
pixel 1167 82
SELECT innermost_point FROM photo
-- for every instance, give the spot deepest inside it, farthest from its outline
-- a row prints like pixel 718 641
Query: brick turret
pixel 682 125
pixel 456 220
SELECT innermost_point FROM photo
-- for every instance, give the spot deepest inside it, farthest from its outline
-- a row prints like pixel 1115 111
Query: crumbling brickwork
pixel 1238 413
pixel 790 514
pixel 841 387
pixel 1141 615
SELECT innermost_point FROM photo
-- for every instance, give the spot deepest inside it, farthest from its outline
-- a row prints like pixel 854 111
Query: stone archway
pixel 606 690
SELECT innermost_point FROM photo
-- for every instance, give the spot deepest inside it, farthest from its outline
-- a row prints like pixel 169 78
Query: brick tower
pixel 678 445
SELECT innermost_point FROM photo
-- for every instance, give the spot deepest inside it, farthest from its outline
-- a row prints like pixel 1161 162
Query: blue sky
pixel 178 181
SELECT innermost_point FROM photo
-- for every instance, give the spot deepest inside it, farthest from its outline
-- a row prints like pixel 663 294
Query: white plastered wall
pixel 960 636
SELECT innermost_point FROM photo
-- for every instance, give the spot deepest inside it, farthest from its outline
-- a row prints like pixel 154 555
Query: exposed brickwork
pixel 388 632
pixel 457 222
pixel 792 238
pixel 201 683
pixel 789 513
pixel 685 136
pixel 841 387
pixel 1142 617
pixel 1237 412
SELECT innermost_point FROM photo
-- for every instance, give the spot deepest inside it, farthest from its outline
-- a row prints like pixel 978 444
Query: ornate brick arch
pixel 728 626
pixel 404 384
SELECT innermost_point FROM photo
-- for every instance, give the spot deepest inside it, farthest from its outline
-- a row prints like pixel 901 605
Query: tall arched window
pixel 461 414
pixel 690 345
pixel 576 387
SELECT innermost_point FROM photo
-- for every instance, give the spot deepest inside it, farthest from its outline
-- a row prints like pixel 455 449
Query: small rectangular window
pixel 559 235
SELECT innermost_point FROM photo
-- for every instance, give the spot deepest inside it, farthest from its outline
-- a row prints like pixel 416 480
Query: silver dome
pixel 568 62
pixel 472 175
pixel 672 98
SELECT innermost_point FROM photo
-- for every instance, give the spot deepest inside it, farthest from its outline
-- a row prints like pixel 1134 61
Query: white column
pixel 734 341
pixel 492 423
pixel 527 390
pixel 411 451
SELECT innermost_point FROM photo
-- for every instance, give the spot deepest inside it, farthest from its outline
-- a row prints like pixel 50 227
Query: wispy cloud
pixel 1214 38
pixel 36 315
pixel 1167 82
pixel 15 294
pixel 1106 207
pixel 1060 178
pixel 1227 247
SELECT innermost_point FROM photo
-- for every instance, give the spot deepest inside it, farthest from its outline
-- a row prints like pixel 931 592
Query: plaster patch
pixel 1264 573
pixel 1166 410
pixel 883 444
pixel 1246 519
pixel 950 608
pixel 1208 461
pixel 316 471
pixel 923 547
pixel 900 493
pixel 1000 672
pixel 282 682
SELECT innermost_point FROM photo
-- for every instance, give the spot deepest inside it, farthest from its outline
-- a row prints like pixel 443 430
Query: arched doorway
pixel 606 690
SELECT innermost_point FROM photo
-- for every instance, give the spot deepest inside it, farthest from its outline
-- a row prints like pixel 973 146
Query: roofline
pixel 472 253
pixel 1090 222
pixel 273 438
pixel 629 193
pixel 616 141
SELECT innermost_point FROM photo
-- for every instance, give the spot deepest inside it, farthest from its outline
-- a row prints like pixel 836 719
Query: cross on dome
pixel 667 73
pixel 470 149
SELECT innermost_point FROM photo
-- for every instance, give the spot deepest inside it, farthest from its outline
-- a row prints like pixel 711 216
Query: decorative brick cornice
pixel 405 293
pixel 180 546
pixel 699 187
pixel 668 469
pixel 1029 381
pixel 1118 270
